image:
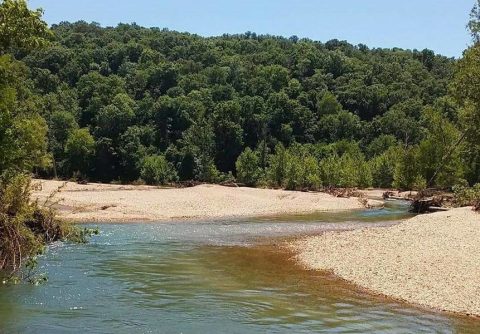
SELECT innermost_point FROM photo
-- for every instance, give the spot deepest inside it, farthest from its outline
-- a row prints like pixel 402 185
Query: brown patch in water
pixel 270 263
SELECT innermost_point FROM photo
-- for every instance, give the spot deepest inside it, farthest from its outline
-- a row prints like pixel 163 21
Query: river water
pixel 208 277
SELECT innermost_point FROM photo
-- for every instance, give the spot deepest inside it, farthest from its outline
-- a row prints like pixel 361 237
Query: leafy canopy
pixel 20 27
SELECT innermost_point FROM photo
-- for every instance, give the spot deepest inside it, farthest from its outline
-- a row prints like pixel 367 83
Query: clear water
pixel 207 277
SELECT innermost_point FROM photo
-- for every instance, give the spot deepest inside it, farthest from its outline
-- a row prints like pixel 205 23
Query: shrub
pixel 157 170
pixel 345 171
pixel 363 173
pixel 330 171
pixel 302 171
pixel 294 168
pixel 226 178
pixel 311 173
pixel 205 169
pixel 79 150
pixel 278 163
pixel 293 174
pixel 26 227
pixel 467 196
pixel 407 173
pixel 248 168
pixel 383 168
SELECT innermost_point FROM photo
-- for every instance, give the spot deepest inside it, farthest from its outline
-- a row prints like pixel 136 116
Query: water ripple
pixel 200 278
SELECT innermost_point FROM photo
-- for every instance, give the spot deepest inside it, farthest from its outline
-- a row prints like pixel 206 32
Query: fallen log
pixel 437 209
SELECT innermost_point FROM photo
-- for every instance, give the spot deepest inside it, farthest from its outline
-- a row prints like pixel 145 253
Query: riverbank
pixel 119 203
pixel 430 260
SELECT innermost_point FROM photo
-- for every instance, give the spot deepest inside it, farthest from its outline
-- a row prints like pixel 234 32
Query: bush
pixel 205 170
pixel 407 172
pixel 248 168
pixel 226 178
pixel 157 170
pixel 294 168
pixel 311 173
pixel 363 173
pixel 383 168
pixel 79 150
pixel 467 196
pixel 330 171
pixel 26 227
pixel 278 163
pixel 293 174
pixel 345 171
pixel 302 171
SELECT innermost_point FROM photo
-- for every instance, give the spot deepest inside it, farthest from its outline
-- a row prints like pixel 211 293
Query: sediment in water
pixel 430 260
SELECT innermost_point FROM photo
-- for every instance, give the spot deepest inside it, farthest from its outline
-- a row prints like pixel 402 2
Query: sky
pixel 438 25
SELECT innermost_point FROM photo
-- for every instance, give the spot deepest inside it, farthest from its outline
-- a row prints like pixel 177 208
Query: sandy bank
pixel 116 203
pixel 431 260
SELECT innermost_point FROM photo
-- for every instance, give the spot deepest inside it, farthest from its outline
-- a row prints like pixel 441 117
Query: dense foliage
pixel 126 102
pixel 25 226
pixel 157 170
pixel 123 103
pixel 467 196
pixel 112 97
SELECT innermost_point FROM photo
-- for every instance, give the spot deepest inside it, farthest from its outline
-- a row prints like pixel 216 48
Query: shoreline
pixel 412 261
pixel 432 261
pixel 106 203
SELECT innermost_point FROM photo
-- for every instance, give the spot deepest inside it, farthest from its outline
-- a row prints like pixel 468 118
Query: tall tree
pixel 20 27
pixel 474 23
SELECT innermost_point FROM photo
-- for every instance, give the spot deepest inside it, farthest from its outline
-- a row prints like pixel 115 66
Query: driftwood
pixel 388 194
pixel 343 192
pixel 431 200
pixel 437 209
pixel 187 184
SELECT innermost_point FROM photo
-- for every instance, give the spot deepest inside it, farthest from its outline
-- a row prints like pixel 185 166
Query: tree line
pixel 127 103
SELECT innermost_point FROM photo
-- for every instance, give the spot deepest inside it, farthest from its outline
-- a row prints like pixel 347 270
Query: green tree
pixel 328 105
pixel 199 140
pixel 380 144
pixel 79 151
pixel 96 91
pixel 25 226
pixel 466 89
pixel 115 118
pixel 439 158
pixel 157 170
pixel 248 168
pixel 311 174
pixel 228 135
pixel 20 27
pixel 277 166
pixel 204 100
pixel 330 171
pixel 23 143
pixel 407 174
pixel 345 170
pixel 302 171
pixel 383 167
pixel 474 23
pixel 136 143
pixel 339 126
pixel 60 125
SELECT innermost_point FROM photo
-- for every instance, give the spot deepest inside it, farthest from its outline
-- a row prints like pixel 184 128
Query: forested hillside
pixel 128 102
